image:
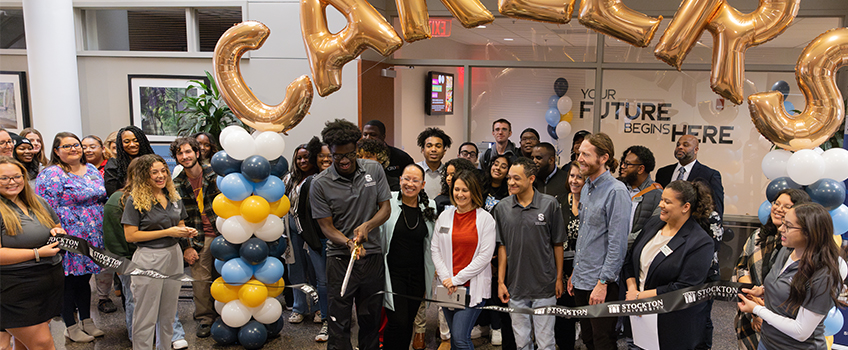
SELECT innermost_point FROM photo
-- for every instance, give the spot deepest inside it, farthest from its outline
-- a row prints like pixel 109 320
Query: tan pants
pixel 155 299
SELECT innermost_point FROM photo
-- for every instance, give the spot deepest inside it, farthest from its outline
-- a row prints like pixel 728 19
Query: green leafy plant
pixel 205 111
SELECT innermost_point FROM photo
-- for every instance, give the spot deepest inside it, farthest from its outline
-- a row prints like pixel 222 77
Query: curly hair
pixel 530 168
pixel 123 158
pixel 373 146
pixel 458 164
pixel 423 199
pixel 433 132
pixel 697 194
pixel 139 185
pixel 40 157
pixel 340 132
pixel 646 157
pixel 10 218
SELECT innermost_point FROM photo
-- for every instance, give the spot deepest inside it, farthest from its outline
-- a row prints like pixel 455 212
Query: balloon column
pixel 559 111
pixel 249 208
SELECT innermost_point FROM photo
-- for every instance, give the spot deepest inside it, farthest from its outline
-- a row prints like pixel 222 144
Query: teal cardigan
pixel 388 229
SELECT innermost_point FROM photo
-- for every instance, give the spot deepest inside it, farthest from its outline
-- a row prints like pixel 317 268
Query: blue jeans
pixel 297 271
pixel 319 264
pixel 761 346
pixel 179 332
pixel 460 322
pixel 523 324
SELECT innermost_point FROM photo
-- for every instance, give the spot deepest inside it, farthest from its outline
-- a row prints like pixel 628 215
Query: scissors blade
pixel 349 270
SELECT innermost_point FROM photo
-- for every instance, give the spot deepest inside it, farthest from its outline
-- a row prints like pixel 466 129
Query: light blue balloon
pixel 272 189
pixel 789 107
pixel 552 102
pixel 552 117
pixel 236 187
pixel 236 272
pixel 219 265
pixel 840 219
pixel 764 212
pixel 269 271
pixel 833 322
pixel 218 180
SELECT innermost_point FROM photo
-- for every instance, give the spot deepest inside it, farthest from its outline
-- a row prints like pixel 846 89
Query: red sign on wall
pixel 440 27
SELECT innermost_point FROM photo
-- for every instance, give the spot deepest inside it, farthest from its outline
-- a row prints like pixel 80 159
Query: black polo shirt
pixel 350 202
pixel 398 160
pixel 529 235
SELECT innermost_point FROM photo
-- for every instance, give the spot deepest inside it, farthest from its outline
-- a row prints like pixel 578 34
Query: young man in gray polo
pixel 350 200
pixel 530 233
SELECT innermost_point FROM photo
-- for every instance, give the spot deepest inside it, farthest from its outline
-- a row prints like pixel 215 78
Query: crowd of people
pixel 506 226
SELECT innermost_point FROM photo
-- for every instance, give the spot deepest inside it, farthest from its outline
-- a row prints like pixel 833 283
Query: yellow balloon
pixel 829 340
pixel 281 207
pixel 224 207
pixel 223 292
pixel 253 293
pixel 566 117
pixel 838 240
pixel 276 288
pixel 255 209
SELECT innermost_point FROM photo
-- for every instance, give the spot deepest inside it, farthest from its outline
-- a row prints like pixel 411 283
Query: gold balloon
pixel 470 13
pixel 824 112
pixel 414 19
pixel 613 18
pixel 685 29
pixel 329 52
pixel 250 35
pixel 566 117
pixel 552 11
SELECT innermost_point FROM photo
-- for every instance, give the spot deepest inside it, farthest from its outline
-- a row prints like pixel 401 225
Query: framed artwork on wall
pixel 14 104
pixel 155 101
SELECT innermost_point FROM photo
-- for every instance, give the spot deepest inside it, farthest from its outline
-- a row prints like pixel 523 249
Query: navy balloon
pixel 254 251
pixel 782 87
pixel 777 185
pixel 256 168
pixel 277 248
pixel 552 132
pixel 560 86
pixel 279 167
pixel 275 328
pixel 552 116
pixel 223 164
pixel 552 101
pixel 223 334
pixel 827 192
pixel 223 250
pixel 253 335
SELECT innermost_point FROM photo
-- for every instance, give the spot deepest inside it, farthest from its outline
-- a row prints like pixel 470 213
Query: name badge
pixel 444 230
pixel 666 250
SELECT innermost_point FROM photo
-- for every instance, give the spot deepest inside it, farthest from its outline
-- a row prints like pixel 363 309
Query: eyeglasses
pixel 414 181
pixel 468 154
pixel 68 147
pixel 350 155
pixel 626 164
pixel 7 143
pixel 531 138
pixel 787 226
pixel 6 179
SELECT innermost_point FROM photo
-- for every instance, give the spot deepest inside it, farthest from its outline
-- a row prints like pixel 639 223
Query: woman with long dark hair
pixel 802 285
pixel 130 144
pixel 208 146
pixel 495 187
pixel 75 191
pixel 448 171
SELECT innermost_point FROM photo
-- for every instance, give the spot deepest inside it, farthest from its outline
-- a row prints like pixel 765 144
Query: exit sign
pixel 440 27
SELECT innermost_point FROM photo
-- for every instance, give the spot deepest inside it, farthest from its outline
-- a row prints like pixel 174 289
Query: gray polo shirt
pixel 157 218
pixel 529 235
pixel 602 237
pixel 350 202
pixel 31 235
pixel 818 300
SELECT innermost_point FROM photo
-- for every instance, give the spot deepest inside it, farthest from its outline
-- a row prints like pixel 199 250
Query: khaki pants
pixel 155 299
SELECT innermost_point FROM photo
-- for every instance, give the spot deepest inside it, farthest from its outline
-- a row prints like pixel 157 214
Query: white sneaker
pixel 180 344
pixel 317 317
pixel 295 318
pixel 479 331
pixel 496 337
pixel 323 334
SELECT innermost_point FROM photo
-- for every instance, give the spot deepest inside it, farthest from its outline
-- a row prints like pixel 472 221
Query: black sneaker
pixel 204 330
pixel 106 306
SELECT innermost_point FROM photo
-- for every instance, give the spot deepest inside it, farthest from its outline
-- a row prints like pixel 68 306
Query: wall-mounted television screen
pixel 439 93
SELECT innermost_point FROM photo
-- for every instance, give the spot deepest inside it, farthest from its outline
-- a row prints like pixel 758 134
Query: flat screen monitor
pixel 439 93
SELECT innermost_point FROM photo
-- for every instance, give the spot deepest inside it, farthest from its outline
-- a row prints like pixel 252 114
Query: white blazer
pixel 478 271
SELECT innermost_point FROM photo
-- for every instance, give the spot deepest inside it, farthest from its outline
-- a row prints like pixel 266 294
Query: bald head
pixel 686 150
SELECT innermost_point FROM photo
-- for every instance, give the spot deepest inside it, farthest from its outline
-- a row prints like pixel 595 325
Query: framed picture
pixel 155 101
pixel 14 105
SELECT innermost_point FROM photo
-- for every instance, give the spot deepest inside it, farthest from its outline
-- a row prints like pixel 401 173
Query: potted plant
pixel 204 110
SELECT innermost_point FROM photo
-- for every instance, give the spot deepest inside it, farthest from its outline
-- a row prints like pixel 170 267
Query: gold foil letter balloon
pixel 733 33
pixel 415 20
pixel 328 52
pixel 824 112
pixel 552 11
pixel 250 35
pixel 612 18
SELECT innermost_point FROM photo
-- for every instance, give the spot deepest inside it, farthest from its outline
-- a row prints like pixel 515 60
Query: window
pixel 212 23
pixel 12 29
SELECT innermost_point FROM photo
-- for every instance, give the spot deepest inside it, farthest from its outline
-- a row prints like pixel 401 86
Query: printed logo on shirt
pixel 541 221
pixel 369 181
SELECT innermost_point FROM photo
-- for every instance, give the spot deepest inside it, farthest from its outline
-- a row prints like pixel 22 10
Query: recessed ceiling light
pixel 481 27
pixel 508 39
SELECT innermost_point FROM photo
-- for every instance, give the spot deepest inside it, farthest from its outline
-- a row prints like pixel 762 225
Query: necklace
pixel 417 220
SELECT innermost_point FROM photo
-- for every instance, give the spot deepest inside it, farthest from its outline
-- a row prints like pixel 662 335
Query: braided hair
pixel 123 158
pixel 423 199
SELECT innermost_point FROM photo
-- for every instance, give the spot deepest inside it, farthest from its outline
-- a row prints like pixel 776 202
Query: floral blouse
pixel 78 201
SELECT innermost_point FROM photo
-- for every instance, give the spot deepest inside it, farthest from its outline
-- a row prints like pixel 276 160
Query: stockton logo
pixel 690 297
pixel 714 292
pixel 541 217
pixel 614 308
pixel 368 178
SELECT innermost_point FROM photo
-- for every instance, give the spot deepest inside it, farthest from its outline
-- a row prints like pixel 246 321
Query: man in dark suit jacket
pixel 686 153
pixel 645 194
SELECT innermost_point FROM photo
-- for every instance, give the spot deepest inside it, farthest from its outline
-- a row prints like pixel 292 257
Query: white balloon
pixel 843 268
pixel 836 164
pixel 236 230
pixel 235 314
pixel 239 145
pixel 268 312
pixel 271 230
pixel 219 223
pixel 564 105
pixel 219 307
pixel 818 150
pixel 226 132
pixel 805 167
pixel 270 145
pixel 563 129
pixel 774 163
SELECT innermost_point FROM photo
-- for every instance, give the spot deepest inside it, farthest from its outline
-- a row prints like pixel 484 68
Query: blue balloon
pixel 764 212
pixel 269 271
pixel 840 219
pixel 219 265
pixel 218 180
pixel 552 102
pixel 254 251
pixel 223 164
pixel 272 189
pixel 552 116
pixel 236 272
pixel 779 184
pixel 256 168
pixel 236 187
pixel 833 322
pixel 275 328
pixel 552 132
pixel 223 249
pixel 277 248
pixel 223 334
pixel 782 87
pixel 279 167
pixel 827 192
pixel 253 335
pixel 789 107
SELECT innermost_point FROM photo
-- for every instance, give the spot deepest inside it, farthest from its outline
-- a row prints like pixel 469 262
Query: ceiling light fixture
pixel 481 27
pixel 508 39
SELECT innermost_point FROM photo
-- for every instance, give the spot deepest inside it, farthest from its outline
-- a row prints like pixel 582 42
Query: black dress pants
pixel 367 278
